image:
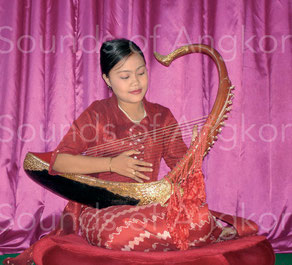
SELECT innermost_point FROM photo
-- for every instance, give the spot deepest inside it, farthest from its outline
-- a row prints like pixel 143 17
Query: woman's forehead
pixel 130 63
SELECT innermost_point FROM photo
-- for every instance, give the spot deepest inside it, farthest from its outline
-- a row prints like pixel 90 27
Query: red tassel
pixel 182 210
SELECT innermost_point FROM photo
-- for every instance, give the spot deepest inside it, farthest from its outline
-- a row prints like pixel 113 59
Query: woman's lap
pixel 141 228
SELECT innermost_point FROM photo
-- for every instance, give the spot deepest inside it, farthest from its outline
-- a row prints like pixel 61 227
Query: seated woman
pixel 119 125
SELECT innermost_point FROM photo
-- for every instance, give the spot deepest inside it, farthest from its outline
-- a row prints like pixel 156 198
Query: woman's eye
pixel 142 73
pixel 124 77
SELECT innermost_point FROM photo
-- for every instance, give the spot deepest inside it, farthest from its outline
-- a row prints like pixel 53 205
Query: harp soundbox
pixel 100 193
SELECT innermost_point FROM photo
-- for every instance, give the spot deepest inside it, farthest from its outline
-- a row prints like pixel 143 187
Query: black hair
pixel 113 51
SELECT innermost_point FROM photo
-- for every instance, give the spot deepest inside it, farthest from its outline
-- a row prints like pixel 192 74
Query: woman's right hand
pixel 127 166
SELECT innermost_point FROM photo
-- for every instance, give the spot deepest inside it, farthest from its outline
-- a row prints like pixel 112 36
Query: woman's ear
pixel 106 79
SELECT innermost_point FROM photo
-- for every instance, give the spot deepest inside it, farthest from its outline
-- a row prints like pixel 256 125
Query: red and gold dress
pixel 129 228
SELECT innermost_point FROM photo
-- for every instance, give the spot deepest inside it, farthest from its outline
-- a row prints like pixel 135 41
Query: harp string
pixel 155 145
pixel 155 154
pixel 159 139
pixel 157 132
pixel 160 130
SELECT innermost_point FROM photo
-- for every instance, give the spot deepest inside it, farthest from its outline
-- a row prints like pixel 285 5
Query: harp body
pixel 100 193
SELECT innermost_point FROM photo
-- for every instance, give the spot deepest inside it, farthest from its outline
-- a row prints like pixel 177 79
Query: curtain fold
pixel 49 64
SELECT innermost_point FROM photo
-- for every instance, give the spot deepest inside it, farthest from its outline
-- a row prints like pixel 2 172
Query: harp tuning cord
pixel 211 143
pixel 207 151
pixel 221 124
pixel 229 101
pixel 219 130
pixel 230 94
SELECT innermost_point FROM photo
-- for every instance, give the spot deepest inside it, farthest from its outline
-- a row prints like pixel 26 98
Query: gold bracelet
pixel 110 164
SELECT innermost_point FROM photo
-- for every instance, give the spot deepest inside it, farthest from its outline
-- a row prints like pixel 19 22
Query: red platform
pixel 73 250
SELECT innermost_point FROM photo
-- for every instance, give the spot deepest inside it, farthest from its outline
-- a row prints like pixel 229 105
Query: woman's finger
pixel 146 169
pixel 136 175
pixel 133 175
pixel 142 163
pixel 142 176
pixel 131 152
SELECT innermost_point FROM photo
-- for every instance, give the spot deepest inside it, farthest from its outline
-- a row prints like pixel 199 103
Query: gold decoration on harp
pixel 158 191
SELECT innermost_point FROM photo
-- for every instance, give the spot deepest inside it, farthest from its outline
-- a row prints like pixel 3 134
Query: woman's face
pixel 129 79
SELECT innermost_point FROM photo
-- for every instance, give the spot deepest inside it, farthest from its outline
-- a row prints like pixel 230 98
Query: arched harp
pixel 99 193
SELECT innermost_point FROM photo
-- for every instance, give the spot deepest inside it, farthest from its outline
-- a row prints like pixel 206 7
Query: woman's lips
pixel 136 92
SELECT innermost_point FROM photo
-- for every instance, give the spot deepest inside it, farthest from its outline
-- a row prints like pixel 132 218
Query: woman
pixel 124 127
pixel 126 114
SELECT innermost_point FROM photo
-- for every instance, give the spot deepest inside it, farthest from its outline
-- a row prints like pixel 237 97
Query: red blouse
pixel 104 130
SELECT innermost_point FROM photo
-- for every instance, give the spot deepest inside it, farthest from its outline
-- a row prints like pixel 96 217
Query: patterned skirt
pixel 142 228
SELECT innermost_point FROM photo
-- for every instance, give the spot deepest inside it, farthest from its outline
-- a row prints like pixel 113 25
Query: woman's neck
pixel 135 111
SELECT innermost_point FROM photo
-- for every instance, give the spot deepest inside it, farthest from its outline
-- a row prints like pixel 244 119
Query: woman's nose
pixel 135 79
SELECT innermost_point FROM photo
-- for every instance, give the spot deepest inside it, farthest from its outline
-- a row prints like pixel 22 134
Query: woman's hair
pixel 113 51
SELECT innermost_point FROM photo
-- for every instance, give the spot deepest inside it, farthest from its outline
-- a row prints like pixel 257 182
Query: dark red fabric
pixel 73 250
pixel 64 246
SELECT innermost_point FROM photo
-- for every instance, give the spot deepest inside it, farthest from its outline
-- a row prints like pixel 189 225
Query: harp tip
pixel 162 59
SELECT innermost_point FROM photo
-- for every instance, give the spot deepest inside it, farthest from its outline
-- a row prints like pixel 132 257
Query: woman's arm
pixel 79 164
pixel 122 164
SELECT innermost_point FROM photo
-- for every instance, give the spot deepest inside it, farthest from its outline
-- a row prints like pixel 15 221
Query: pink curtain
pixel 50 72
